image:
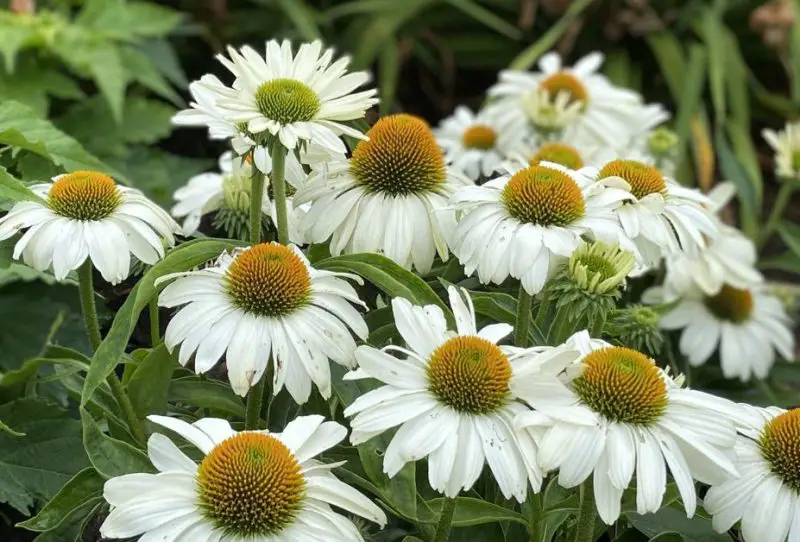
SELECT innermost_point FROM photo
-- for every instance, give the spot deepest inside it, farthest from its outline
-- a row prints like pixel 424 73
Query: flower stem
pixel 155 329
pixel 586 514
pixel 544 307
pixel 561 327
pixel 256 200
pixel 536 512
pixel 254 398
pixel 445 520
pixel 86 289
pixel 781 201
pixel 279 191
pixel 521 330
pixel 597 327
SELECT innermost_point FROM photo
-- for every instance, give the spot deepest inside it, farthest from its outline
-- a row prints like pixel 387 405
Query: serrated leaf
pixel 163 57
pixel 16 31
pixel 111 457
pixel 34 467
pixel 31 84
pixel 142 70
pixel 20 127
pixel 84 486
pixel 12 189
pixel 126 20
pixel 200 392
pixel 147 388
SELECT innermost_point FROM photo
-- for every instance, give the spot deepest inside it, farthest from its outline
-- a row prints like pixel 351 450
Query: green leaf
pixel 143 71
pixel 6 429
pixel 113 346
pixel 471 512
pixel 33 83
pixel 34 467
pixel 399 492
pixel 787 261
pixel 125 20
pixel 302 18
pixel 200 392
pixel 745 189
pixel 20 127
pixel 672 520
pixel 149 385
pixel 669 56
pixel 713 36
pixel 690 97
pixel 105 65
pixel 388 75
pixel 746 155
pixel 790 233
pixel 84 486
pixel 111 457
pixel 17 30
pixel 77 525
pixel 487 17
pixel 13 189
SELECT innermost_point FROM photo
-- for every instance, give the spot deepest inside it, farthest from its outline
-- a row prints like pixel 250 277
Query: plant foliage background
pixel 93 84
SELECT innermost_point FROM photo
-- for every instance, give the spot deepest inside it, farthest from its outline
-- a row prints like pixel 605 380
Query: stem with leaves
pixel 586 514
pixel 445 520
pixel 522 329
pixel 155 328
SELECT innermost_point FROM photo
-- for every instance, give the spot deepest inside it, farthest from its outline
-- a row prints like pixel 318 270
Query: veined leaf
pixel 6 429
pixel 84 486
pixel 111 457
pixel 13 189
pixel 201 392
pixel 471 511
pixel 148 386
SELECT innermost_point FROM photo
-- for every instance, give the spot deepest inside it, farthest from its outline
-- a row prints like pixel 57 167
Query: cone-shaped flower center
pixel 623 385
pixel 401 157
pixel 543 196
pixel 567 83
pixel 643 178
pixel 780 446
pixel 559 153
pixel 250 485
pixel 479 136
pixel 731 304
pixel 84 195
pixel 287 101
pixel 268 280
pixel 470 374
pixel 600 268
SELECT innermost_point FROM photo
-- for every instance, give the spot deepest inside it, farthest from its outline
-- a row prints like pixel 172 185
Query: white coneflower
pixel 390 197
pixel 600 112
pixel 260 303
pixel 295 98
pixel 786 144
pixel 250 485
pixel 617 414
pixel 451 396
pixel 524 224
pixel 477 144
pixel 85 214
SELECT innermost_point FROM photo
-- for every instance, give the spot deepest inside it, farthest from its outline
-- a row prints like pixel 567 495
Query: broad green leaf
pixel 471 512
pixel 84 486
pixel 16 29
pixel 13 189
pixel 399 492
pixel 200 392
pixel 163 58
pixel 12 383
pixel 77 525
pixel 32 85
pixel 105 65
pixel 126 20
pixel 111 457
pixel 20 127
pixel 671 520
pixel 143 71
pixel 6 429
pixel 110 351
pixel 34 467
pixel 149 385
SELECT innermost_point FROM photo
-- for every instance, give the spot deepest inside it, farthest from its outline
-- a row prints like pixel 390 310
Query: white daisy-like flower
pixel 746 325
pixel 391 197
pixel 477 144
pixel 261 302
pixel 604 113
pixel 616 414
pixel 661 217
pixel 85 214
pixel 547 113
pixel 786 144
pixel 451 397
pixel 230 190
pixel 524 224
pixel 766 494
pixel 252 486
pixel 295 98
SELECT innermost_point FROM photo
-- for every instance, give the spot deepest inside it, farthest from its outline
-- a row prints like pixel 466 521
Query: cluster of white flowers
pixel 559 158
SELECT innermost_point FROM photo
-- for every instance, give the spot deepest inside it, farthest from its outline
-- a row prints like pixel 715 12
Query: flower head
pixel 786 144
pixel 249 485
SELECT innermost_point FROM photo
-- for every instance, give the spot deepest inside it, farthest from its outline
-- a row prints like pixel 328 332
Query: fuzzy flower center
pixel 543 196
pixel 565 82
pixel 731 304
pixel 643 178
pixel 623 385
pixel 559 153
pixel 250 485
pixel 780 447
pixel 469 374
pixel 600 268
pixel 479 136
pixel 287 101
pixel 268 280
pixel 400 158
pixel 84 195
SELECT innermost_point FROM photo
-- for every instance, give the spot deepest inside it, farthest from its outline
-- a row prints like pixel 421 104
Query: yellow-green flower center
pixel 287 100
pixel 469 374
pixel 479 136
pixel 623 385
pixel 559 153
pixel 250 485
pixel 401 157
pixel 543 196
pixel 643 178
pixel 84 195
pixel 731 304
pixel 565 82
pixel 268 280
pixel 780 446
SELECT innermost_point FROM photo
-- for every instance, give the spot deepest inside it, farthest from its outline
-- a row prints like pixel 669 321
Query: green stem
pixel 586 514
pixel 155 328
pixel 279 191
pixel 536 512
pixel 445 520
pixel 256 200
pixel 522 329
pixel 544 307
pixel 86 289
pixel 561 327
pixel 597 327
pixel 254 398
pixel 781 201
